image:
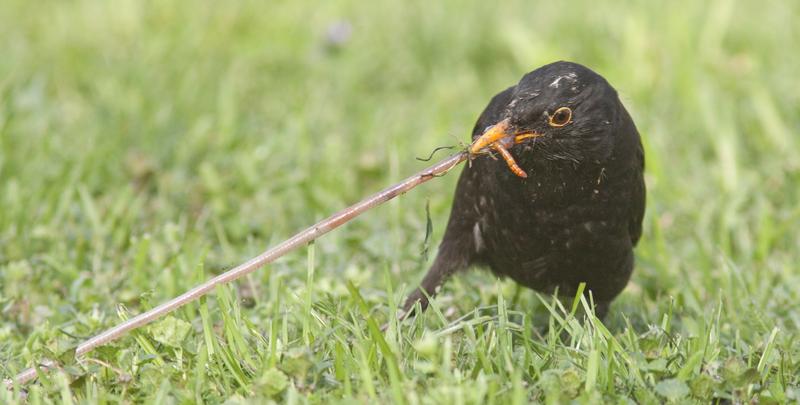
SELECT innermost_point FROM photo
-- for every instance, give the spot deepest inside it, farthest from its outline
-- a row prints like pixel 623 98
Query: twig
pixel 300 239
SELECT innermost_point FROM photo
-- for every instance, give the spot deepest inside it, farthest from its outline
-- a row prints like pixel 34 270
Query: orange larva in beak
pixel 498 138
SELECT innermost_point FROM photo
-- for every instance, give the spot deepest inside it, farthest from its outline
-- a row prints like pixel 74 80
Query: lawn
pixel 148 145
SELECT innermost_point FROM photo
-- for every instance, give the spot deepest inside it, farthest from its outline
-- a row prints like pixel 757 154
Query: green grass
pixel 146 145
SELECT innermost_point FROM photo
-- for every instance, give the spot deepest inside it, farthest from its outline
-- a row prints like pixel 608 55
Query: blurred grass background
pixel 139 139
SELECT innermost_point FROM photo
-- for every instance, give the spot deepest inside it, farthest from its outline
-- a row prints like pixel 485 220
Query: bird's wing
pixel 458 248
pixel 639 195
pixel 461 244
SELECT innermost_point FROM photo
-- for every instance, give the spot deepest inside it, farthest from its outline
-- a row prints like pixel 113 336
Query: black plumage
pixel 577 215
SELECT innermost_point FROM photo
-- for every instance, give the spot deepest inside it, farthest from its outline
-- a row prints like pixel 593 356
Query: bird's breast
pixel 533 214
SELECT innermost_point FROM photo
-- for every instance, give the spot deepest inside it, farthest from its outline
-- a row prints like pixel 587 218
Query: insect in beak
pixel 499 139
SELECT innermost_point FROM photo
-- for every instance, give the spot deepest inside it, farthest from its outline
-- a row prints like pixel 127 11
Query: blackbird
pixel 554 195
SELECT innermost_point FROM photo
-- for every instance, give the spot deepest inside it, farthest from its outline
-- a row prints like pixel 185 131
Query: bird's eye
pixel 561 117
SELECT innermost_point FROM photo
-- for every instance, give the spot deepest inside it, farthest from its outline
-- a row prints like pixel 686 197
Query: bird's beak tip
pixel 493 134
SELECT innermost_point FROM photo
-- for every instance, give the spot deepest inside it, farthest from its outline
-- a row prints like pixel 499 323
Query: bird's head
pixel 561 111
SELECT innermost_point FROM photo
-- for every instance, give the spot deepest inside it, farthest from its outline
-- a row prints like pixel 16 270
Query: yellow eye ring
pixel 561 117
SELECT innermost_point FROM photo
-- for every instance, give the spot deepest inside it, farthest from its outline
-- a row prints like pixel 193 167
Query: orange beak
pixel 498 135
pixel 499 140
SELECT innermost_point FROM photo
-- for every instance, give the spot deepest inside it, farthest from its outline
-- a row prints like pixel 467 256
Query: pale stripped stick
pixel 309 234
